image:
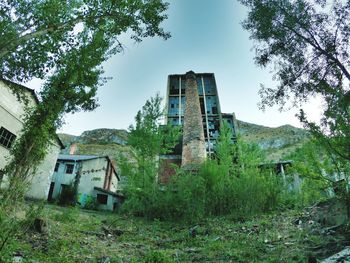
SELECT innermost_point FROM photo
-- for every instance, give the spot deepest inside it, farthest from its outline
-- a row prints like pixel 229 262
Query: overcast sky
pixel 206 37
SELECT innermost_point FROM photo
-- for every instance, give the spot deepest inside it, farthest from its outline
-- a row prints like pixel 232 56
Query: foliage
pixel 37 34
pixel 12 223
pixel 148 139
pixel 64 43
pixel 70 215
pixel 264 238
pixel 91 203
pixel 318 169
pixel 232 184
pixel 307 42
pixel 159 256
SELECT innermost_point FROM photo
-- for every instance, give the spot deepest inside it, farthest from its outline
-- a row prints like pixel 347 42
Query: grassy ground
pixel 74 235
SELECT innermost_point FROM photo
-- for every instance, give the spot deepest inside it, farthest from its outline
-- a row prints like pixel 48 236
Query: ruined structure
pixel 94 177
pixel 193 143
pixel 192 101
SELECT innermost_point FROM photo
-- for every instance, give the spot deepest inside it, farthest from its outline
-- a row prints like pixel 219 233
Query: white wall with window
pixel 12 111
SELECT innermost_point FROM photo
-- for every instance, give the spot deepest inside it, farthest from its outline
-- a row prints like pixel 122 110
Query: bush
pixel 210 192
pixel 232 184
pixel 91 203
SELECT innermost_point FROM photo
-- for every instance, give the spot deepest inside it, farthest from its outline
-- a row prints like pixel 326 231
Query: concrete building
pixel 95 176
pixel 12 110
pixel 192 101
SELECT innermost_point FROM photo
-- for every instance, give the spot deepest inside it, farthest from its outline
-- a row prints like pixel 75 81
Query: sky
pixel 207 36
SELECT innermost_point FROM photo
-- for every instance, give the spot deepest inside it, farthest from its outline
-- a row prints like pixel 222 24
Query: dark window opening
pixel 57 166
pixel 201 101
pixel 215 110
pixel 1 175
pixel 6 138
pixel 52 186
pixel 102 199
pixel 69 168
pixel 172 106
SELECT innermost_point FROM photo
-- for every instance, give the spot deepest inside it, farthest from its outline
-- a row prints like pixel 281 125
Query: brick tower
pixel 194 150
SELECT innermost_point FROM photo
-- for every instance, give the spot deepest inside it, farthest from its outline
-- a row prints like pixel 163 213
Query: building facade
pixel 186 93
pixel 95 176
pixel 12 110
pixel 209 104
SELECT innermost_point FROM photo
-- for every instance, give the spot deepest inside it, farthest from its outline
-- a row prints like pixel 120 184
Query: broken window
pixel 57 166
pixel 1 175
pixel 69 168
pixel 201 102
pixel 102 199
pixel 6 138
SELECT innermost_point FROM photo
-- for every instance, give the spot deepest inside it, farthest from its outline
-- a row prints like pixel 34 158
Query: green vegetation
pixel 63 43
pixel 319 171
pixel 232 184
pixel 307 42
pixel 75 235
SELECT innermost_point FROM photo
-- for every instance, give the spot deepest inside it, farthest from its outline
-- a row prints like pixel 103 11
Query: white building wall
pixel 11 118
pixel 40 182
pixel 114 185
pixel 11 115
pixel 92 175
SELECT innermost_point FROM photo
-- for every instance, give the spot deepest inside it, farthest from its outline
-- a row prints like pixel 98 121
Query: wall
pixel 11 113
pixel 167 164
pixel 40 182
pixel 11 116
pixel 92 175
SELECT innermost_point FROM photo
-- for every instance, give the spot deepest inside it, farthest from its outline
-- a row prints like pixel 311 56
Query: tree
pixel 36 34
pixel 148 140
pixel 307 42
pixel 64 42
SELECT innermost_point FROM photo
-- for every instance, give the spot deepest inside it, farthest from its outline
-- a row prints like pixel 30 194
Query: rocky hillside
pixel 111 142
pixel 276 141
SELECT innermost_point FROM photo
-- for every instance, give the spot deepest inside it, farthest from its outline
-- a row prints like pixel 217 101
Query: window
pixel 1 175
pixel 102 199
pixel 57 166
pixel 6 138
pixel 69 168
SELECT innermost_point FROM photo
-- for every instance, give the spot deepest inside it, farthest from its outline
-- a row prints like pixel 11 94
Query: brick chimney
pixel 73 148
pixel 193 151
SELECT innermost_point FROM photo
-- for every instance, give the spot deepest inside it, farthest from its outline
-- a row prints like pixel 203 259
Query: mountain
pixel 111 142
pixel 278 142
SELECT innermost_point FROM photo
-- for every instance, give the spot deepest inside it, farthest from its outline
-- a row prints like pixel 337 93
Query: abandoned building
pixel 12 110
pixel 192 101
pixel 95 178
